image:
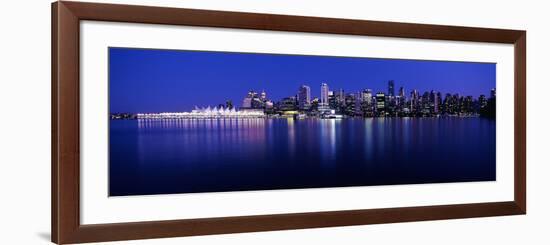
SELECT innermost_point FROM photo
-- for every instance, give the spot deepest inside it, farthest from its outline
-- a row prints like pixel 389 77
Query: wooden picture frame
pixel 66 225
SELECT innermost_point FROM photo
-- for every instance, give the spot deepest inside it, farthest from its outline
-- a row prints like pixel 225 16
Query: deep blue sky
pixel 149 80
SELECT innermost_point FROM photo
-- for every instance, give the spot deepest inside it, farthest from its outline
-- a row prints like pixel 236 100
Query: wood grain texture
pixel 67 164
pixel 520 148
pixel 66 17
pixel 54 121
pixel 209 18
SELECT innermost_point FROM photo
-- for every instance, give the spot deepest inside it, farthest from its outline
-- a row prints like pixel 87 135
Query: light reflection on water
pixel 203 155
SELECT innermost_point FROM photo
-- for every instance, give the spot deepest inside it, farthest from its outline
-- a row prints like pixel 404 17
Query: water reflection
pixel 369 145
pixel 202 155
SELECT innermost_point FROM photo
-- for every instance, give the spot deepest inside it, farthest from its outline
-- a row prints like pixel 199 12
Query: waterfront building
pixel 359 100
pixel 269 107
pixel 324 94
pixel 401 92
pixel 446 106
pixel 204 113
pixel 380 104
pixel 439 101
pixel 349 104
pixel 391 88
pixel 434 106
pixel 468 105
pixel 425 102
pixel 414 101
pixel 332 100
pixel 304 98
pixel 456 103
pixel 254 100
pixel 287 104
pixel 314 104
pixel 339 104
pixel 247 102
pixel 367 103
pixel 257 103
pixel 402 100
pixel 482 101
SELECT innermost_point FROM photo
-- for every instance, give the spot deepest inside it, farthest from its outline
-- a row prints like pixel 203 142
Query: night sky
pixel 149 80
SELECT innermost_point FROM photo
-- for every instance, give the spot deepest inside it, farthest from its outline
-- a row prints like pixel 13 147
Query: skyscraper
pixel 482 101
pixel 381 104
pixel 367 96
pixel 401 99
pixel 414 100
pixel 359 100
pixel 253 101
pixel 390 98
pixel 340 97
pixel 324 94
pixel 247 102
pixel 434 102
pixel 391 88
pixel 304 97
pixel 366 103
pixel 349 104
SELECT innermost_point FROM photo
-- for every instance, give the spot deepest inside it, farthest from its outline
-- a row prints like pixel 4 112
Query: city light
pixel 335 104
pixel 204 113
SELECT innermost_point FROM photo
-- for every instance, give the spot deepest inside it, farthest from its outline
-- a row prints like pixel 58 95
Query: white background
pixel 97 207
pixel 25 122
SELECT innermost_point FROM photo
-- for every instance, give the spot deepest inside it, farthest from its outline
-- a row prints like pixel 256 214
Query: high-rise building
pixel 340 97
pixel 446 106
pixel 391 88
pixel 253 101
pixel 247 102
pixel 367 103
pixel 359 100
pixel 439 101
pixel 434 106
pixel 468 104
pixel 332 100
pixel 482 101
pixel 426 103
pixel 263 96
pixel 414 101
pixel 349 103
pixel 390 98
pixel 269 104
pixel 401 99
pixel 456 103
pixel 287 104
pixel 381 104
pixel 493 93
pixel 367 96
pixel 324 94
pixel 304 97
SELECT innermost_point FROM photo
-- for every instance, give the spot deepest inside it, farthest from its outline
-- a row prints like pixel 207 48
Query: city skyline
pixel 175 86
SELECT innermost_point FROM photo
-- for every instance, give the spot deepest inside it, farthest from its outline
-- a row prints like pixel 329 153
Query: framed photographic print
pixel 176 122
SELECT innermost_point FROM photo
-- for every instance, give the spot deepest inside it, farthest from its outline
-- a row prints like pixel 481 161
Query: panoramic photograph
pixel 183 121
